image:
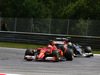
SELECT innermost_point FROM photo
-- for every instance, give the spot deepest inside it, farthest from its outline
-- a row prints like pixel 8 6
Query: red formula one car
pixel 50 53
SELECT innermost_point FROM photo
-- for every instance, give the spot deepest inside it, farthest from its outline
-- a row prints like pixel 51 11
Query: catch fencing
pixel 40 31
pixel 53 26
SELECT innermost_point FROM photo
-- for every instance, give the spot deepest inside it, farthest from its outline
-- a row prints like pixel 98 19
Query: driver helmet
pixel 69 44
pixel 50 46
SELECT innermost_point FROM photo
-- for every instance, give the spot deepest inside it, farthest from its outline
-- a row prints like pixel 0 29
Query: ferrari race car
pixel 50 53
pixel 64 44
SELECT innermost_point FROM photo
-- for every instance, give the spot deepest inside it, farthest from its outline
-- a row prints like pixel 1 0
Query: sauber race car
pixel 50 53
pixel 64 44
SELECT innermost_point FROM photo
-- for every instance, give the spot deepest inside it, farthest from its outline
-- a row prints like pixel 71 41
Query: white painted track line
pixel 96 54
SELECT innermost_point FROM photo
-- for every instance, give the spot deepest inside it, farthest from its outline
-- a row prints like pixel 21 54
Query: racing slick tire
pixel 56 54
pixel 29 52
pixel 69 55
pixel 87 49
pixel 61 47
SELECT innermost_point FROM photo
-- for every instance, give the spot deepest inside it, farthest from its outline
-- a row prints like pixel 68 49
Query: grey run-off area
pixel 12 62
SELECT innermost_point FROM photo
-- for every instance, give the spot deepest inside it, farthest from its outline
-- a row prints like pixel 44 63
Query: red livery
pixel 51 53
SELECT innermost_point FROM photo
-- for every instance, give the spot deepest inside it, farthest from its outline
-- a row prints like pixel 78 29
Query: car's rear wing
pixel 62 39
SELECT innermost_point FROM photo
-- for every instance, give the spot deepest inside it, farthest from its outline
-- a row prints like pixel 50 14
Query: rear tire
pixel 61 47
pixel 87 49
pixel 69 54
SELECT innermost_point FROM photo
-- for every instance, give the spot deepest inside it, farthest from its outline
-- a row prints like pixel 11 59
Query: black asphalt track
pixel 11 61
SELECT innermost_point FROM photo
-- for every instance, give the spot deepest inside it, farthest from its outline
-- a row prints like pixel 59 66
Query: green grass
pixel 25 46
pixel 17 45
pixel 96 52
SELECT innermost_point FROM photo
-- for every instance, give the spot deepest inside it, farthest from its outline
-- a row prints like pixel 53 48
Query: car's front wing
pixel 28 57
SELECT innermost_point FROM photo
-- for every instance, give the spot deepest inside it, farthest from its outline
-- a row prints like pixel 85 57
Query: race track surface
pixel 12 62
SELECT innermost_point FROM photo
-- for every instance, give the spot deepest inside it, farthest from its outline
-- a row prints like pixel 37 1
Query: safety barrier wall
pixel 38 38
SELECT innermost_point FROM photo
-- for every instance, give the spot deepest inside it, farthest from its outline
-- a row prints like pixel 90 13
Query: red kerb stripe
pixel 2 74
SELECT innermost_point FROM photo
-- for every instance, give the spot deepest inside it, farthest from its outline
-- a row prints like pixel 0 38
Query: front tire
pixel 56 54
pixel 29 52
